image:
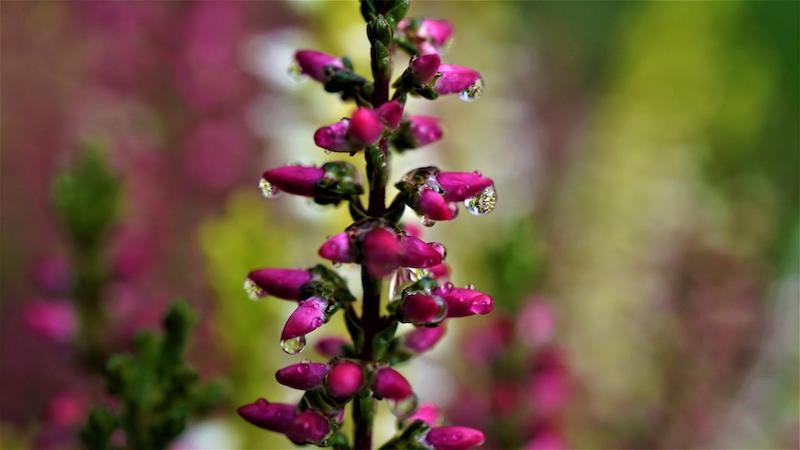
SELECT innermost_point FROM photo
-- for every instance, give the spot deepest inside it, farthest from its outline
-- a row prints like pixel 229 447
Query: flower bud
pixel 418 253
pixel 389 384
pixel 338 249
pixel 459 186
pixel 269 416
pixel 454 438
pixel 67 409
pixel 313 63
pixel 365 127
pixel 53 320
pixel 281 283
pixel 381 252
pixel 439 272
pixel 344 379
pixel 334 137
pixel 330 347
pixel 426 412
pixel 309 315
pixel 303 376
pixel 308 427
pixel 416 132
pixel 430 35
pixel 463 302
pixel 425 67
pixel 297 180
pixel 421 309
pixel 423 339
pixel 433 206
pixel 455 79
pixel 390 113
pixel 546 437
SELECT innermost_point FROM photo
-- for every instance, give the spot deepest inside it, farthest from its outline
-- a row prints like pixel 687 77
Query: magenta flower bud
pixel 67 409
pixel 463 302
pixel 389 384
pixel 412 229
pixel 433 206
pixel 338 249
pixel 454 438
pixel 344 379
pixel 297 180
pixel 303 376
pixel 423 339
pixel 381 252
pixel 330 347
pixel 365 127
pixel 313 63
pixel 439 272
pixel 425 67
pixel 309 427
pixel 418 253
pixel 309 315
pixel 55 320
pixel 281 283
pixel 421 308
pixel 427 412
pixel 459 186
pixel 425 130
pixel 436 31
pixel 276 417
pixel 455 79
pixel 390 113
pixel 334 137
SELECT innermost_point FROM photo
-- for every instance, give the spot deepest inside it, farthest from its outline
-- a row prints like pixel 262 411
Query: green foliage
pixel 157 390
pixel 515 263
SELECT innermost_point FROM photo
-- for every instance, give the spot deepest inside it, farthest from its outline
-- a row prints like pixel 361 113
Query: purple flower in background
pixel 338 249
pixel 426 412
pixel 52 319
pixel 52 275
pixel 215 153
pixel 331 346
pixel 422 339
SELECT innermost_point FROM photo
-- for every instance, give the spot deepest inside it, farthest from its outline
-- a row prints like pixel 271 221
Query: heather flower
pixel 417 131
pixel 421 309
pixel 426 412
pixel 455 79
pixel 281 283
pixel 381 252
pixel 425 67
pixel 431 35
pixel 439 272
pixel 344 379
pixel 308 427
pixel 276 417
pixel 53 320
pixel 330 347
pixel 546 437
pixel 314 64
pixel 309 315
pixel 422 339
pixel 462 302
pixel 338 249
pixel 303 376
pixel 459 186
pixel 296 180
pixel 536 323
pixel 454 438
pixel 433 205
pixel 365 127
pixel 390 113
pixel 390 384
pixel 334 137
pixel 418 253
pixel 67 409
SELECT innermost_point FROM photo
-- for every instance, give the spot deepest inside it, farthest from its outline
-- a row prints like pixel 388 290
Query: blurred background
pixel 643 256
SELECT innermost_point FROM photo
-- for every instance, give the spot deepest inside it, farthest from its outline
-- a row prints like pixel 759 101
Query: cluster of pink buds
pixel 360 369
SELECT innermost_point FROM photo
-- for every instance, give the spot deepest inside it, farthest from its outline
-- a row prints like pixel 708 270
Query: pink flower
pixel 424 130
pixel 420 254
pixel 454 438
pixel 313 63
pixel 454 79
pixel 308 427
pixel 546 438
pixel 436 31
pixel 536 323
pixel 381 252
pixel 334 137
pixel 344 379
pixel 303 376
pixel 53 320
pixel 309 315
pixel 390 113
pixel 433 206
pixel 365 127
pixel 421 309
pixel 276 417
pixel 426 412
pixel 297 180
pixel 52 275
pixel 463 302
pixel 459 186
pixel 390 384
pixel 67 409
pixel 439 271
pixel 281 283
pixel 549 388
pixel 425 67
pixel 338 249
pixel 423 338
pixel 330 347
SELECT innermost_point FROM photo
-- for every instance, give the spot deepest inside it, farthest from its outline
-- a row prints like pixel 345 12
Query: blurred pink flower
pixel 52 319
pixel 215 154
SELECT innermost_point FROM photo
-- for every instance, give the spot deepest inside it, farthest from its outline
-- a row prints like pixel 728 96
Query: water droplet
pixel 295 72
pixel 473 91
pixel 317 322
pixel 483 203
pixel 442 304
pixel 268 190
pixel 447 287
pixel 254 291
pixel 427 221
pixel 481 305
pixel 294 345
pixel 302 368
pixel 470 286
pixel 327 152
pixel 453 209
pixel 403 408
pixel 337 264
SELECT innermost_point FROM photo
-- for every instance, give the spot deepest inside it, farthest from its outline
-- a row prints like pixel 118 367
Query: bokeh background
pixel 643 255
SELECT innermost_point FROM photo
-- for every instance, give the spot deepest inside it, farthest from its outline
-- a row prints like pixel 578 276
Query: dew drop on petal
pixel 403 408
pixel 302 368
pixel 268 190
pixel 481 305
pixel 254 291
pixel 473 91
pixel 483 203
pixel 293 345
pixel 427 221
pixel 447 287
pixel 470 286
pixel 295 72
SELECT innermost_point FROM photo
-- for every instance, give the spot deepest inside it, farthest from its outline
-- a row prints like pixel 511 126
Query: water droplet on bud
pixel 481 305
pixel 470 286
pixel 403 408
pixel 294 345
pixel 295 72
pixel 427 221
pixel 483 203
pixel 447 287
pixel 268 190
pixel 473 91
pixel 254 291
